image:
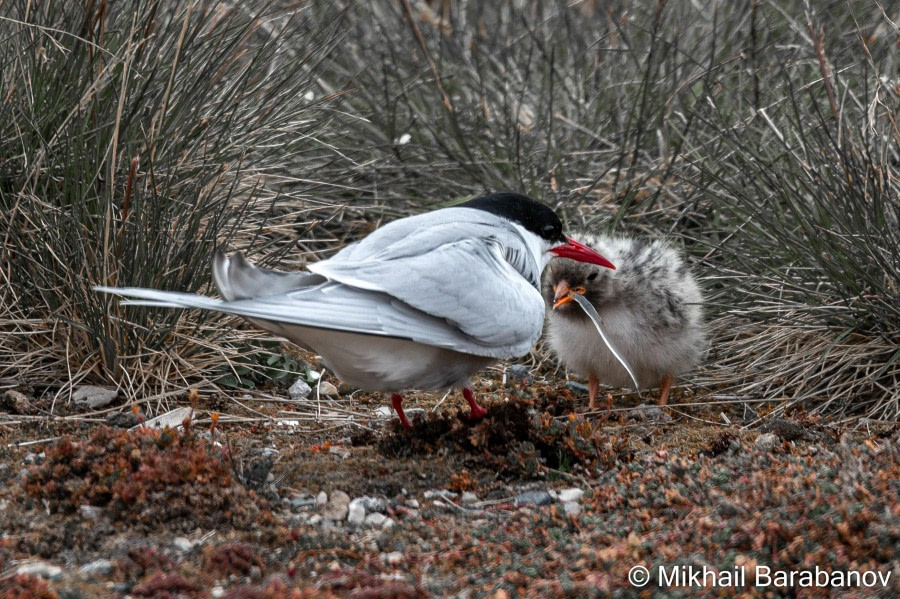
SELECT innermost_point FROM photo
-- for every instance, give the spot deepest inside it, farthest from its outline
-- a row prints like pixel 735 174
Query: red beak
pixel 581 253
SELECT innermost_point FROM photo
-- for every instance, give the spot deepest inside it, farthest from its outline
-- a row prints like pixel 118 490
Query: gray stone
pixel 767 442
pixel 572 508
pixel 356 512
pixel 534 498
pixel 567 495
pixel 90 512
pixel 375 519
pixel 337 506
pixel 388 524
pixel 33 459
pixel 100 567
pixel 341 452
pixel 327 389
pixel 394 558
pixel 94 397
pixel 298 503
pixel 440 493
pixel 122 419
pixel 15 401
pixel 468 498
pixel 41 570
pixel 299 390
pixel 578 387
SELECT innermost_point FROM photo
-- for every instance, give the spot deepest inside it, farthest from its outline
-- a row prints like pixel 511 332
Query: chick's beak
pixel 581 253
pixel 562 294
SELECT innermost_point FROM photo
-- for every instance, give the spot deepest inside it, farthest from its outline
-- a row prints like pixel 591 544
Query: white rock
pixel 321 498
pixel 299 390
pixel 766 441
pixel 314 519
pixel 182 544
pixel 442 493
pixel 570 507
pixel 217 592
pixel 90 512
pixel 394 558
pixel 388 524
pixel 341 452
pixel 567 495
pixel 413 503
pixel 100 567
pixel 468 498
pixel 384 411
pixel 404 139
pixel 41 570
pixel 356 514
pixel 376 519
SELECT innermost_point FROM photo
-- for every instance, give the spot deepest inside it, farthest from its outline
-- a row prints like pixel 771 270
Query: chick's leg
pixel 664 388
pixel 397 402
pixel 593 388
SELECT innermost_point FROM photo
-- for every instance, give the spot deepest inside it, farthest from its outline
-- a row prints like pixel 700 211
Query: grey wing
pixel 466 282
pixel 326 306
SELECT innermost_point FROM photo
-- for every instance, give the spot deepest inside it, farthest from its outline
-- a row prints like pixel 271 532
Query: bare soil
pixel 228 509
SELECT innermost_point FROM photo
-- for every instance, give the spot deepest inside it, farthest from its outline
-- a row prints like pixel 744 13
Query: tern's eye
pixel 592 276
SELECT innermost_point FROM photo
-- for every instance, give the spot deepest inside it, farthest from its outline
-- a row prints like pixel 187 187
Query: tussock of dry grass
pixel 764 139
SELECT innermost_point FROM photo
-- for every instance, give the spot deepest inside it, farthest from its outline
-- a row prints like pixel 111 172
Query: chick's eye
pixel 592 276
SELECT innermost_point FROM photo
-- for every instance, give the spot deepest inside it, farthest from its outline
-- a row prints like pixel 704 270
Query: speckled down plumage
pixel 651 307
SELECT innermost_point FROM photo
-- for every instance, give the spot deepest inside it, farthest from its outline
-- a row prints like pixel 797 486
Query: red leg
pixel 593 387
pixel 396 401
pixel 477 411
pixel 664 388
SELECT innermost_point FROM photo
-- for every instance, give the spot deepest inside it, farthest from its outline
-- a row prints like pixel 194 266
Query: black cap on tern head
pixel 531 214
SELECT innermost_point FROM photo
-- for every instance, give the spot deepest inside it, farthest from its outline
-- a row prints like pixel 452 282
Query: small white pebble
pixel 388 524
pixel 321 498
pixel 468 498
pixel 567 495
pixel 376 519
pixel 356 514
pixel 182 544
pixel 41 570
pixel 309 96
pixel 413 503
pixel 217 592
pixel 394 558
pixel 444 494
pixel 766 442
pixel 570 507
pixel 314 519
pixel 341 452
pixel 404 139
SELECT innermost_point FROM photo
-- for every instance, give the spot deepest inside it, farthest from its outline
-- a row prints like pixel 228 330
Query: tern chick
pixel 650 309
pixel 423 302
